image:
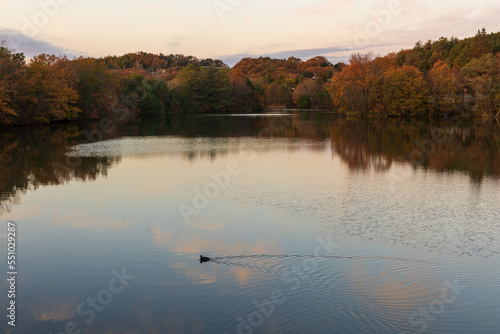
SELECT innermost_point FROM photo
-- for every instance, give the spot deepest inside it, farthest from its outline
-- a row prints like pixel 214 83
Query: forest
pixel 432 79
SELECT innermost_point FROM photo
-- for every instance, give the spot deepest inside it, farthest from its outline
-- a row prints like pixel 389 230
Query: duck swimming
pixel 204 259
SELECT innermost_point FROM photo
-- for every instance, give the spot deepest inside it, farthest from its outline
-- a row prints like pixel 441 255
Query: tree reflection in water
pixel 35 156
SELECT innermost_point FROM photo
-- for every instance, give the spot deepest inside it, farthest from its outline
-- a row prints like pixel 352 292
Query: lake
pixel 313 223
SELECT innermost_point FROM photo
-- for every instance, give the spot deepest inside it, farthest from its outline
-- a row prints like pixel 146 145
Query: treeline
pixel 49 88
pixel 433 78
pixel 448 75
pixel 290 83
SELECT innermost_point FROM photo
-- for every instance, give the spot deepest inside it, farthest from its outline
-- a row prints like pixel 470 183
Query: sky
pixel 232 29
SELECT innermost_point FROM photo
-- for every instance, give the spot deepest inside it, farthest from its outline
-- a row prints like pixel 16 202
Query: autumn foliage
pixel 445 76
pixel 429 80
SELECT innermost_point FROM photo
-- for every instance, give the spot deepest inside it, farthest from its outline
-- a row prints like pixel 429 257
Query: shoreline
pixel 266 111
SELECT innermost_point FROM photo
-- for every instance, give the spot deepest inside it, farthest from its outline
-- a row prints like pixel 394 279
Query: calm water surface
pixel 314 224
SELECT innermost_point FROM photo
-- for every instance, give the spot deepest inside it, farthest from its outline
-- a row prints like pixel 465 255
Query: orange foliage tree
pixel 10 68
pixel 446 88
pixel 44 92
pixel 350 88
pixel 305 93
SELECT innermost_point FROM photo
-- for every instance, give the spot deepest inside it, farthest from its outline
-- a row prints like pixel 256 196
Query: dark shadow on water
pixel 36 156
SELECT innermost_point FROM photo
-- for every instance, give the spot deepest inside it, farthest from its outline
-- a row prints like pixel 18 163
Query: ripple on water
pixel 357 293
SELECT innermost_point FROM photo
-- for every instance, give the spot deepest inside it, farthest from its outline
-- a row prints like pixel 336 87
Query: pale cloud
pixel 334 54
pixel 94 223
pixel 176 41
pixel 32 47
pixel 193 244
pixel 61 312
pixel 27 213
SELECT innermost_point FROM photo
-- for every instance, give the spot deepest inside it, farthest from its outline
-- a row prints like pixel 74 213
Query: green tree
pixel 405 92
pixel 483 81
pixel 304 102
pixel 96 87
pixel 205 89
pixel 479 45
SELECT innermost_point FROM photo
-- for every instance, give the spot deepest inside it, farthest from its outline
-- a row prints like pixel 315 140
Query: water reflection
pixel 31 157
pixel 471 148
pixel 314 175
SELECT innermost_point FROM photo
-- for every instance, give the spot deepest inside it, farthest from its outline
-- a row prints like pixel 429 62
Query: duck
pixel 204 259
